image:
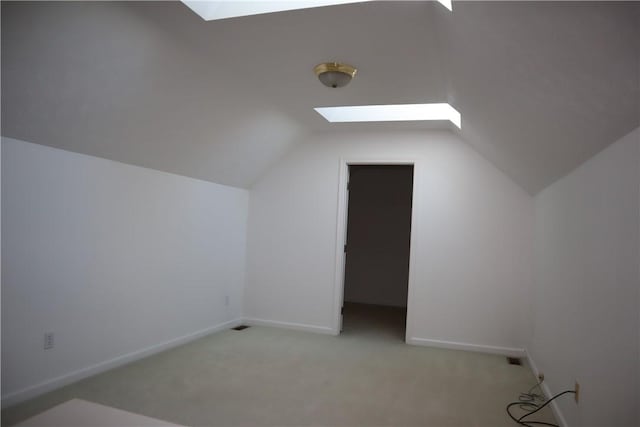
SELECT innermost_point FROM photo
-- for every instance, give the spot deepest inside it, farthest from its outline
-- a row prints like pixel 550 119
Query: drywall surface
pixel 586 287
pixel 471 251
pixel 112 258
pixel 378 238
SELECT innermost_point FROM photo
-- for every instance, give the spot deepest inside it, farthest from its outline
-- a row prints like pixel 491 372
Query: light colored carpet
pixel 80 413
pixel 375 322
pixel 275 377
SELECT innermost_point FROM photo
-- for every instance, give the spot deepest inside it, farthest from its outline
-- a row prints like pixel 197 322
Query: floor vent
pixel 240 328
pixel 514 361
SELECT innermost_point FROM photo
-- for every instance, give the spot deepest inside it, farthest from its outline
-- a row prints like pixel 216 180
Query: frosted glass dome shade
pixel 333 74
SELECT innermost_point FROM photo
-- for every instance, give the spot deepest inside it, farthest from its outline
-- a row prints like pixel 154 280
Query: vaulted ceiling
pixel 541 86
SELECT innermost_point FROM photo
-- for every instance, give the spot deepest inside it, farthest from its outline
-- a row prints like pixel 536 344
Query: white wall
pixel 586 305
pixel 472 245
pixel 114 259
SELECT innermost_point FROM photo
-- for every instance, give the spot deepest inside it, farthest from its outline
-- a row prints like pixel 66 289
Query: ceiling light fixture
pixel 391 113
pixel 334 74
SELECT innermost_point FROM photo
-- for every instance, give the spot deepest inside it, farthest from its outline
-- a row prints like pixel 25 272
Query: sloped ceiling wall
pixel 105 80
pixel 541 86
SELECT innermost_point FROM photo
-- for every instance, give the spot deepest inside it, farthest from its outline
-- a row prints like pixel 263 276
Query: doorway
pixel 378 242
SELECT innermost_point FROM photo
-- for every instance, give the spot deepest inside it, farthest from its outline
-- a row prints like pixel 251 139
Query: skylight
pixel 221 9
pixel 391 113
pixel 446 3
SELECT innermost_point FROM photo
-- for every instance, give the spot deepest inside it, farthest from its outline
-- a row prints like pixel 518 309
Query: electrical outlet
pixel 540 377
pixel 48 340
pixel 577 394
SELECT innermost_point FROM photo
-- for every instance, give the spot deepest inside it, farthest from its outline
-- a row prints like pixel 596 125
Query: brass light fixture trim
pixel 335 74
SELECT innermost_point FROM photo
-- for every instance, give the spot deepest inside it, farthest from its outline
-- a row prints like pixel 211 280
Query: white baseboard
pixel 507 351
pixel 32 391
pixel 289 325
pixel 562 422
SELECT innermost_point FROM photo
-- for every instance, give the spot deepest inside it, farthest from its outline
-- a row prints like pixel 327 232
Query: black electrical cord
pixel 527 402
pixel 530 397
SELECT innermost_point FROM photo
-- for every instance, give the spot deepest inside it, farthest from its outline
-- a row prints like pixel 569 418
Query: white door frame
pixel 341 234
